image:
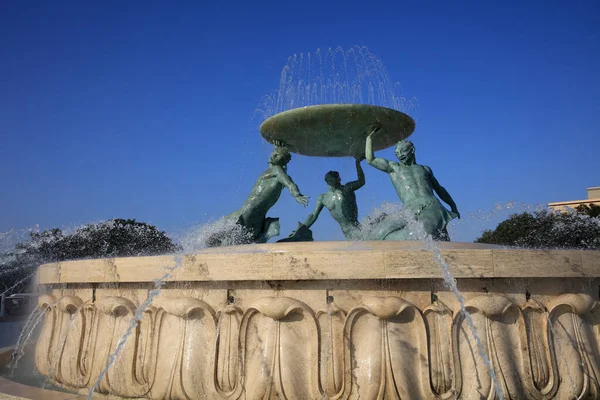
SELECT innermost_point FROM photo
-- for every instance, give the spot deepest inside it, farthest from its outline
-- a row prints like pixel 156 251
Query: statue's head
pixel 332 178
pixel 405 151
pixel 280 156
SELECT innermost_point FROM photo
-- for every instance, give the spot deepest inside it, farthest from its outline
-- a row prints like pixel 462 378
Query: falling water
pixel 471 225
pixel 397 212
pixel 158 283
pixel 62 340
pixel 24 337
pixel 225 229
pixel 451 284
pixel 20 281
pixel 334 76
pixel 326 76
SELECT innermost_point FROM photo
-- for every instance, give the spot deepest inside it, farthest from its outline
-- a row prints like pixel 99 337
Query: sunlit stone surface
pixel 343 320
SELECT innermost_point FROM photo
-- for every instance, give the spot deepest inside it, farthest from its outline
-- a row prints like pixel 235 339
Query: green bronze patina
pixel 252 216
pixel 340 200
pixel 336 130
pixel 415 185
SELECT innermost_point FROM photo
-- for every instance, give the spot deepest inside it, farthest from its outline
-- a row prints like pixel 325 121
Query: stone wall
pixel 323 327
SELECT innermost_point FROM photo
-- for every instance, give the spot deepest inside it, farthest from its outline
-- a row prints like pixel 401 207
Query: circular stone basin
pixel 323 320
pixel 336 130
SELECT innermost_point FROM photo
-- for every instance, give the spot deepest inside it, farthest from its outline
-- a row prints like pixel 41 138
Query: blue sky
pixel 145 109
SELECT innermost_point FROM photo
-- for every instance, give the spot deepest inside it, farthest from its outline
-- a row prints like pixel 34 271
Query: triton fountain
pixel 369 319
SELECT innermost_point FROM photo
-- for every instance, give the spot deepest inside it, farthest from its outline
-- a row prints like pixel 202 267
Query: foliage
pixel 15 272
pixel 544 229
pixel 591 210
pixel 113 238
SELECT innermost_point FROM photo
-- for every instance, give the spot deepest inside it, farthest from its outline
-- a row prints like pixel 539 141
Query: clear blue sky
pixel 144 109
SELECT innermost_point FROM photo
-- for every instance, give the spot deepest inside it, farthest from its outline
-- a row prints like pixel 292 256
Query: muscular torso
pixel 264 194
pixel 342 207
pixel 411 182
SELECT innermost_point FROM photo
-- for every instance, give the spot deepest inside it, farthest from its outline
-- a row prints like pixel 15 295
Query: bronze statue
pixel 252 216
pixel 415 185
pixel 340 200
pixel 336 130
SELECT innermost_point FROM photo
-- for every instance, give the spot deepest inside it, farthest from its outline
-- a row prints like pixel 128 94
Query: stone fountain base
pixel 368 320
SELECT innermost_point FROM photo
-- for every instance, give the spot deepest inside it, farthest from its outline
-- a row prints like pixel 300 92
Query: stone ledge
pixel 330 260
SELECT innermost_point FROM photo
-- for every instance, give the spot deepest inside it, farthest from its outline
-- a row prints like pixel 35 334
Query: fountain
pixel 370 319
pixel 325 320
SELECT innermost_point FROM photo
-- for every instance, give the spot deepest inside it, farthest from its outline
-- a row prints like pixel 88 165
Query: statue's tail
pixel 301 234
pixel 271 229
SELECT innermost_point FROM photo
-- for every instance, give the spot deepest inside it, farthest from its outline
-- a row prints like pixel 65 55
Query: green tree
pixel 591 210
pixel 113 238
pixel 15 273
pixel 543 229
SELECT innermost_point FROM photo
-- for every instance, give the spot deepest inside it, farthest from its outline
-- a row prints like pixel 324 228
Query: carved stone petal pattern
pixel 571 341
pixel 277 348
pixel 474 377
pixel 439 323
pixel 66 346
pixel 280 353
pixel 112 319
pixel 591 327
pixel 43 347
pixel 386 351
pixel 185 331
pixel 227 354
pixel 501 329
pixel 146 358
pixel 543 371
pixel 331 323
pixel 508 339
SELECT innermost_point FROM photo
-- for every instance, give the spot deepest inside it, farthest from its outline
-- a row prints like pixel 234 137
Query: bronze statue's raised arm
pixel 379 163
pixel 442 192
pixel 312 217
pixel 360 182
pixel 286 181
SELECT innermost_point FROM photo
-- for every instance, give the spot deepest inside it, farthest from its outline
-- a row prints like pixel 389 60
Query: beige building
pixel 593 198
